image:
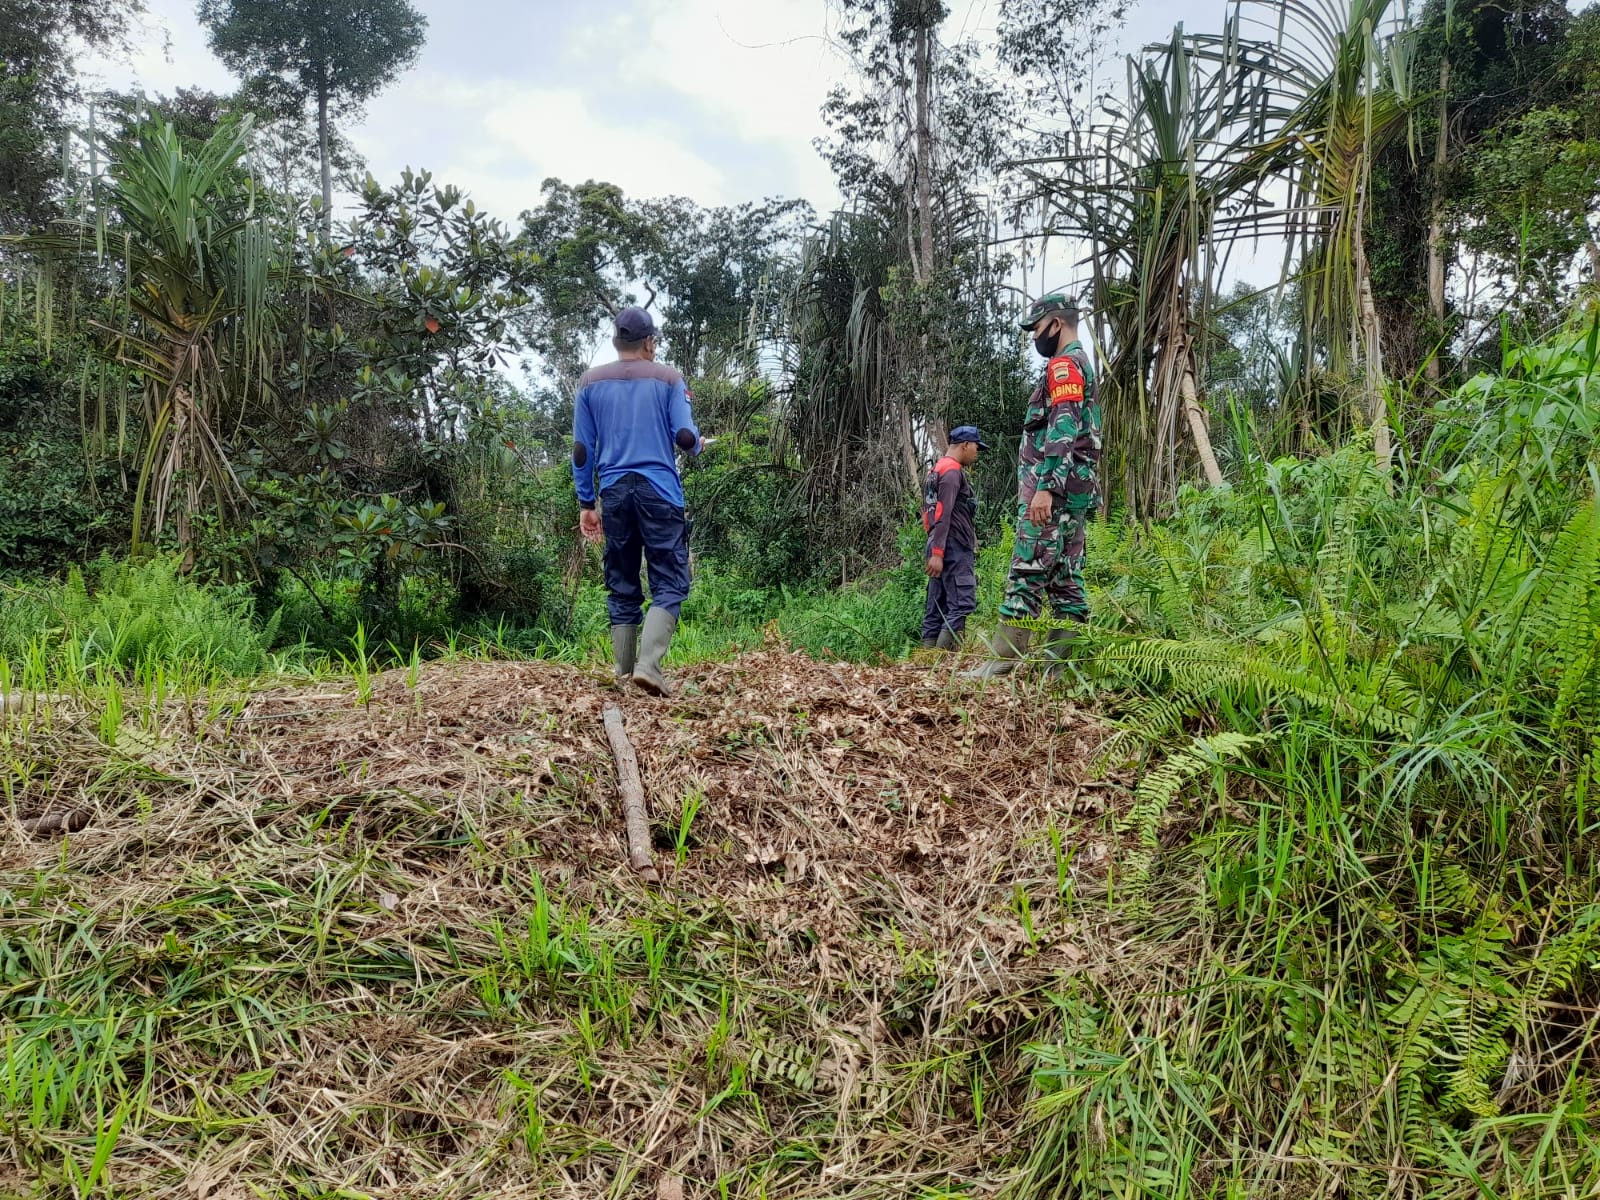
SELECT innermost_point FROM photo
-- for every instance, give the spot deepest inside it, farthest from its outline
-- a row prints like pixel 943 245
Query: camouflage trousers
pixel 1047 568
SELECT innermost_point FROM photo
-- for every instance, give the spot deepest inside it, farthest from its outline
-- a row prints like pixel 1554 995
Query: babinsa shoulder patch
pixel 1065 380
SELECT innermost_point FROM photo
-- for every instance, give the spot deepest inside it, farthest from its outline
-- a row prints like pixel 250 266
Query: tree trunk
pixel 931 387
pixel 1197 419
pixel 923 65
pixel 908 446
pixel 1372 355
pixel 327 167
pixel 630 787
pixel 1436 267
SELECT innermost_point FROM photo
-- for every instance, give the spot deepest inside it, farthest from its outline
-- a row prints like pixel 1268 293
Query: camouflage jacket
pixel 1060 449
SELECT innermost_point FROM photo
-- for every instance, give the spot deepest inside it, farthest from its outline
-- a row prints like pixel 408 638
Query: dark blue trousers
pixel 953 597
pixel 639 522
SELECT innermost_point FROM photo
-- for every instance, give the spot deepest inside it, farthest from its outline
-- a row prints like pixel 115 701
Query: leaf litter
pixel 395 949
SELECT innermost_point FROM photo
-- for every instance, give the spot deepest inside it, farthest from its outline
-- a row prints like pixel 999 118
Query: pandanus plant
pixel 174 229
pixel 1171 182
pixel 1338 77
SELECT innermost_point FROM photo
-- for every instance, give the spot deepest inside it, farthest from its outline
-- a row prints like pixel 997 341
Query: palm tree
pixel 1160 200
pixel 191 321
pixel 1339 74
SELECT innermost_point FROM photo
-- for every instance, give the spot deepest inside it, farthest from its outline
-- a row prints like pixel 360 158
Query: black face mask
pixel 1047 344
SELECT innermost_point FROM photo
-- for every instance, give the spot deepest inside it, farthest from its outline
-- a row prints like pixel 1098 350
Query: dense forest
pixel 1283 883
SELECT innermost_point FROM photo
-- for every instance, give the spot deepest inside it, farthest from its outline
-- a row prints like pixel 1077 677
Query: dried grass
pixel 396 949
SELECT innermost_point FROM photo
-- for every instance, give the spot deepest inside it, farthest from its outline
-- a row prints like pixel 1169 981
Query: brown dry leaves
pixel 858 841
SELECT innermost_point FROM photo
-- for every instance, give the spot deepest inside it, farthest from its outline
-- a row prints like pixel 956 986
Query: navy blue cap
pixel 967 433
pixel 634 325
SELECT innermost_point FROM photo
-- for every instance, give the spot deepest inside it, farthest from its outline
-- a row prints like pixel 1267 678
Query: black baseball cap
pixel 967 433
pixel 634 325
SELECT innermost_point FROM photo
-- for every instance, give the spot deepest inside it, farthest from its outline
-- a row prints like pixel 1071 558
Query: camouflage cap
pixel 1054 304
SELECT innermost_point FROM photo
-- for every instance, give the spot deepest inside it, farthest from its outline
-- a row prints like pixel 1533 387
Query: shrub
pixel 131 616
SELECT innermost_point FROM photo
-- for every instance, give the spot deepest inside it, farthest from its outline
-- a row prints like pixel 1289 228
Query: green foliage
pixel 38 42
pixel 337 54
pixel 190 316
pixel 345 52
pixel 751 517
pixel 1362 724
pixel 131 617
pixel 57 502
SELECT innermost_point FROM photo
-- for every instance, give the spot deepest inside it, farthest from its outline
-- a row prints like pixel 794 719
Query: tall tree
pixel 583 242
pixel 1146 192
pixel 914 136
pixel 37 84
pixel 1480 67
pixel 722 275
pixel 338 53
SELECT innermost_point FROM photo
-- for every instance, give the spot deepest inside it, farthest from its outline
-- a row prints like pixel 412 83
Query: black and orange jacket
pixel 949 508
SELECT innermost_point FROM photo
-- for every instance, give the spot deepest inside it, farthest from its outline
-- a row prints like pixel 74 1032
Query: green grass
pixel 1362 842
pixel 1337 931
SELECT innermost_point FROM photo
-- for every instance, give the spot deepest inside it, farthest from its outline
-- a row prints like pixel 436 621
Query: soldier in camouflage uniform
pixel 1057 465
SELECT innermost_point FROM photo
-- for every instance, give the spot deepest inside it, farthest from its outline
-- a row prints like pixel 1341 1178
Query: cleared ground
pixel 379 938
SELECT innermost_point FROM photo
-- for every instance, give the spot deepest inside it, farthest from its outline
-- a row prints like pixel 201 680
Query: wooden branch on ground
pixel 632 789
pixel 21 701
pixel 56 822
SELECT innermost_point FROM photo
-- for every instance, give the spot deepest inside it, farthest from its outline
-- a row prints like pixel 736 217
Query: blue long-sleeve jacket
pixel 631 416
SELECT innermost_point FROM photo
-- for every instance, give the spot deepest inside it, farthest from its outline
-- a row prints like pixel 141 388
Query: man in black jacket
pixel 948 511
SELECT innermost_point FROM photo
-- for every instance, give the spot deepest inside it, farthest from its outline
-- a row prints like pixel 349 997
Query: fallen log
pixel 632 788
pixel 56 822
pixel 20 701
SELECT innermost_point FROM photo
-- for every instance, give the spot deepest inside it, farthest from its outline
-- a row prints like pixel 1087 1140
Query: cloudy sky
pixel 712 99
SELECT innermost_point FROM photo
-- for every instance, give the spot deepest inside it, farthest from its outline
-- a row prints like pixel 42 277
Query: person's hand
pixel 1040 507
pixel 589 526
pixel 935 567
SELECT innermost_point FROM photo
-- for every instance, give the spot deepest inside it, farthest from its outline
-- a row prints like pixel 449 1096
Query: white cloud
pixel 730 96
pixel 762 69
pixel 500 144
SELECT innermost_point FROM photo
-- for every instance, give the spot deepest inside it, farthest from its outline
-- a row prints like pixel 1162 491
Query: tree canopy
pixel 337 53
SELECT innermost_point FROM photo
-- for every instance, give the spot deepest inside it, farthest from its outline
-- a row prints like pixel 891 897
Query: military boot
pixel 624 649
pixel 653 643
pixel 1009 644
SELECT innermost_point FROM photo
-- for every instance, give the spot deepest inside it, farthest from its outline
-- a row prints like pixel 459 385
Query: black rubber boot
pixel 624 649
pixel 1010 643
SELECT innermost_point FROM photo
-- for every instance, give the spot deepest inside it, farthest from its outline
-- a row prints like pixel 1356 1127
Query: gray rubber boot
pixel 1058 648
pixel 653 643
pixel 949 639
pixel 1009 645
pixel 624 649
pixel 930 643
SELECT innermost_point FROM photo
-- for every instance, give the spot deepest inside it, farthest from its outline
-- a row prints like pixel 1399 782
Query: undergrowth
pixel 1349 938
pixel 1365 722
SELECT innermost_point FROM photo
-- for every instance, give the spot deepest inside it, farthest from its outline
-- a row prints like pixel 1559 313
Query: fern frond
pixel 1159 788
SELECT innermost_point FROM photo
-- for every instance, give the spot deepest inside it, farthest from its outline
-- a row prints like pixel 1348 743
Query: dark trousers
pixel 953 596
pixel 639 522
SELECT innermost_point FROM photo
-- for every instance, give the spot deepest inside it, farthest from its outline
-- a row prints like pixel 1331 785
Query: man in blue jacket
pixel 632 417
